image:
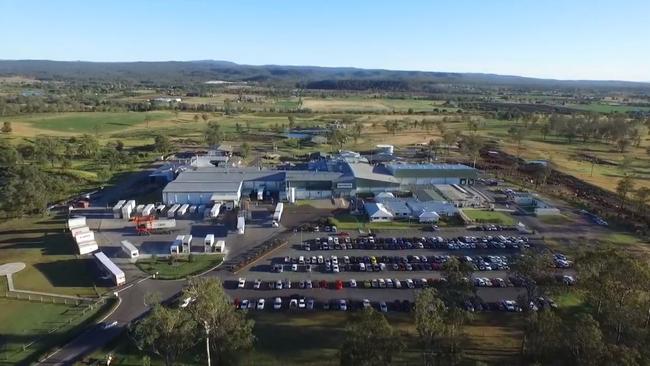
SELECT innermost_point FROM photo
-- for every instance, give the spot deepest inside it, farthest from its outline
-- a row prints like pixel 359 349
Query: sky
pixel 561 39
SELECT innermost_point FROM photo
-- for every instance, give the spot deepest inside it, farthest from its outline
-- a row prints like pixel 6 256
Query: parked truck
pixel 187 243
pixel 220 246
pixel 241 224
pixel 79 230
pixel 214 211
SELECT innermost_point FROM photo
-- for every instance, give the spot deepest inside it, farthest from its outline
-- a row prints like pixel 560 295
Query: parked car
pixel 260 304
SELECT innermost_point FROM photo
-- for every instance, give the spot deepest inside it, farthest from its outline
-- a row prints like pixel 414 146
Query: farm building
pixel 377 212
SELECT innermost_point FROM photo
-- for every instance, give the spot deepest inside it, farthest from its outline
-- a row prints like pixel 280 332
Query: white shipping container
pixel 160 209
pixel 79 230
pixel 192 209
pixel 183 210
pixel 146 211
pixel 130 203
pixel 87 247
pixel 77 221
pixel 130 249
pixel 117 209
pixel 84 237
pixel 139 209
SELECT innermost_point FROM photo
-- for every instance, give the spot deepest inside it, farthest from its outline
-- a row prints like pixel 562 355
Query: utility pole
pixel 207 340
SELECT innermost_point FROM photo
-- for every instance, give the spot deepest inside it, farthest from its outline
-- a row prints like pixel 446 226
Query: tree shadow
pixel 70 272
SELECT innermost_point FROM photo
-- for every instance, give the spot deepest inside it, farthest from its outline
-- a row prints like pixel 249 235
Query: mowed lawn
pixel 49 253
pixel 23 322
pixel 88 122
pixel 181 267
pixel 493 217
pixel 302 338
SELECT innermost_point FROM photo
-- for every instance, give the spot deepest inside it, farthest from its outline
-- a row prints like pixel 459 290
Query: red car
pixel 339 284
pixel 343 233
pixel 323 284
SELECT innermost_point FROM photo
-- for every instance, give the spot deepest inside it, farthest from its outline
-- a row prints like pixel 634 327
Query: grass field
pixel 352 222
pixel 181 267
pixel 48 252
pixel 87 122
pixel 493 217
pixel 365 104
pixel 288 338
pixel 607 108
pixel 23 322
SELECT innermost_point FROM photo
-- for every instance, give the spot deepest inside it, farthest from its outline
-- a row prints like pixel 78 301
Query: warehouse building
pixel 330 178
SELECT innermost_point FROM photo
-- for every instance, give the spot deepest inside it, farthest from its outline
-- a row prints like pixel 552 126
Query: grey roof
pixel 367 171
pixel 394 204
pixel 210 187
pixel 310 175
pixel 431 170
pixel 428 195
pixel 435 206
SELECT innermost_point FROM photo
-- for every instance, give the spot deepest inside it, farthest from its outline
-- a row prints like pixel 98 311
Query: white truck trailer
pixel 220 246
pixel 260 194
pixel 277 215
pixel 148 209
pixel 187 243
pixel 214 211
pixel 77 221
pixel 87 247
pixel 117 209
pixel 183 209
pixel 177 244
pixel 160 209
pixel 116 274
pixel 129 249
pixel 172 211
pixel 208 243
pixel 127 209
pixel 241 224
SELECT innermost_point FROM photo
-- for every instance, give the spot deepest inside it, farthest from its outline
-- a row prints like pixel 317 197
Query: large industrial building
pixel 202 185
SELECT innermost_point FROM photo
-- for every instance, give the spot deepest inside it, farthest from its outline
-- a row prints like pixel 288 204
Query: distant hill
pixel 311 77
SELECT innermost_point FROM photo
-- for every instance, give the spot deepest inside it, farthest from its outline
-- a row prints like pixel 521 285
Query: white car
pixel 366 303
pixel 277 305
pixel 335 268
pixel 287 284
pixel 301 303
pixel 260 304
pixel 258 284
pixel 110 325
pixel 382 283
pixel 409 283
pixel 242 283
pixel 320 259
pixel 301 260
pixel 293 303
pixel 383 307
pixel 294 267
pixel 353 283
pixel 335 259
pixel 278 285
pixel 244 304
pixel 343 305
pixel 398 284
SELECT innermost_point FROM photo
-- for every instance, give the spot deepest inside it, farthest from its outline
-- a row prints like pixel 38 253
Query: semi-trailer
pixel 77 221
pixel 172 211
pixel 129 249
pixel 117 209
pixel 116 274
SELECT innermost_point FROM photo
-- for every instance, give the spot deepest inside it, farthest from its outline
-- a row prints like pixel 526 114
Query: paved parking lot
pixel 263 270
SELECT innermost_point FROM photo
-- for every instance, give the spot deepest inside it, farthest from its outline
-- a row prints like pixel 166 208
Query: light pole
pixel 207 339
